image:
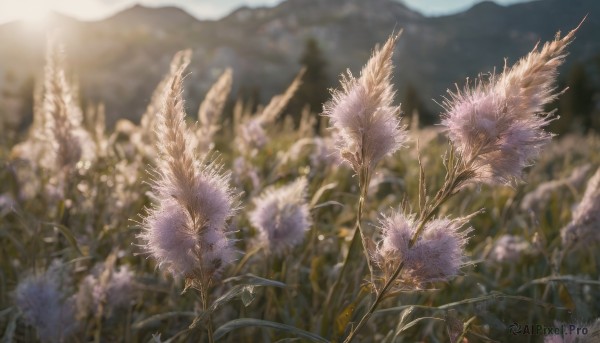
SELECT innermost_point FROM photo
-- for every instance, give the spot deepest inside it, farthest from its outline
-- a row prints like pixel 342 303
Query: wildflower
pixel 541 195
pixel 437 254
pixel 170 239
pixel 113 292
pixel 497 126
pixel 324 153
pixel 210 110
pixel 363 114
pixel 282 216
pixel 144 139
pixel 186 230
pixel 63 118
pixel 510 248
pixel 295 152
pixel 45 307
pixel 583 228
pixel 251 133
pixel 244 170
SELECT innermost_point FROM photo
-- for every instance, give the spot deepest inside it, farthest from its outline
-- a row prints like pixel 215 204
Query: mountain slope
pixel 119 60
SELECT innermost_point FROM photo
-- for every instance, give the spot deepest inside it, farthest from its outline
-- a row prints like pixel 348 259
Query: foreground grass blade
pixel 155 319
pixel 66 232
pixel 248 322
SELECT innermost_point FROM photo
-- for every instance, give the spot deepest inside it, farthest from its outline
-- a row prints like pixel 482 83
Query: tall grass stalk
pixel 480 143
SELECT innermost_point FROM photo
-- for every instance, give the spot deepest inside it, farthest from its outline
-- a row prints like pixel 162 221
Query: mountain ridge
pixel 119 60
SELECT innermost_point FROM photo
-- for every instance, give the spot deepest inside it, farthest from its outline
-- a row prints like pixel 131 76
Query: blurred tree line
pixel 578 107
pixel 316 82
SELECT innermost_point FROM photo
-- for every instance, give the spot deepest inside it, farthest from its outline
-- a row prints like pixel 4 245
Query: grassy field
pixel 253 229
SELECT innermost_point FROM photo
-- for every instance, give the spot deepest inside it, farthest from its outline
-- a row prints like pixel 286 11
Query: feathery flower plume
pixel 282 216
pixel 211 109
pixel 497 126
pixel 34 148
pixel 437 254
pixel 363 114
pixel 57 140
pixel 186 231
pixel 510 248
pixel 95 124
pixel 244 171
pixel 584 228
pixel 61 114
pixel 111 289
pixel 278 103
pixel 146 138
pixel 45 307
pixel 294 152
pixel 324 153
pixel 69 140
pixel 251 133
pixel 539 197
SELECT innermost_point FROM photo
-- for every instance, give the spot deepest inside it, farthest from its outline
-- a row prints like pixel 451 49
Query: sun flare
pixel 32 11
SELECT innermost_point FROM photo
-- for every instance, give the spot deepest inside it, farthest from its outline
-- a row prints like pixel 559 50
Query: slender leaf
pixel 6 311
pixel 319 193
pixel 250 279
pixel 328 203
pixel 161 316
pixel 493 296
pixel 68 235
pixel 415 322
pixel 341 322
pixel 251 322
pixel 9 333
pixel 402 322
pixel 245 290
pixel 560 278
pixel 465 329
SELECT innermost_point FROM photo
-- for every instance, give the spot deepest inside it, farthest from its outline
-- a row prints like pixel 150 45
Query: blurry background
pixel 118 50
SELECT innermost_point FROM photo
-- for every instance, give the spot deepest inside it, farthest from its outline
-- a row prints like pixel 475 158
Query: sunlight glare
pixel 30 11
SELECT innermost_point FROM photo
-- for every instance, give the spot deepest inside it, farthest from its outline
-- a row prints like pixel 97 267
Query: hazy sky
pixel 97 9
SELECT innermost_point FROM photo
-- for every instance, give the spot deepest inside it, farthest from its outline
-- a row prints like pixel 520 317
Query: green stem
pixel 357 238
pixel 378 299
pixel 450 185
pixel 336 285
pixel 364 189
pixel 209 326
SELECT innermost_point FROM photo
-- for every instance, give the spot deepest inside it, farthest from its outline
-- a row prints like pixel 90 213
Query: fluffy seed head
pixel 170 239
pixel 44 307
pixel 510 248
pixel 437 255
pixel 584 228
pixel 114 293
pixel 498 125
pixel 252 135
pixel 145 138
pixel 210 110
pixel 62 116
pixel 282 216
pixel 251 132
pixel 538 198
pixel 186 230
pixel 363 114
pixel 324 153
